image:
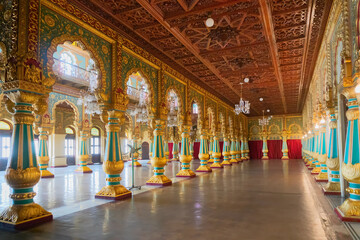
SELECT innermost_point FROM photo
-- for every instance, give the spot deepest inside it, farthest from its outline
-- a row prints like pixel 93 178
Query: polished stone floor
pixel 254 200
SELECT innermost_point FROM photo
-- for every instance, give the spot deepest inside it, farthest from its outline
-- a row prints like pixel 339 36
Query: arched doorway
pixel 95 145
pixel 70 146
pixel 145 150
pixel 5 143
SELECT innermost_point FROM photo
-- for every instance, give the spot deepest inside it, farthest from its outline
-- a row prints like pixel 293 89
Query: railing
pixel 133 93
pixel 73 73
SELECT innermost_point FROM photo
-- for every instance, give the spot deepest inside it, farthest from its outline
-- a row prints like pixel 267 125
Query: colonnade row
pixel 324 155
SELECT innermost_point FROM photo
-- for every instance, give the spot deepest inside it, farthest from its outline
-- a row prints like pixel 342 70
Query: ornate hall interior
pixel 175 119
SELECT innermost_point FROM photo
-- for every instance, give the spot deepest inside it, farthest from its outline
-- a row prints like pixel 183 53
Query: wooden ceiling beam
pixel 202 9
pixel 116 12
pixel 183 4
pixel 270 35
pixel 192 4
pixel 291 10
pixel 159 16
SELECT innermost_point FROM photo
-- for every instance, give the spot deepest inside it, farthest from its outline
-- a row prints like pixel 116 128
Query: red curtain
pixel 294 147
pixel 274 147
pixel 196 150
pixel 255 148
pixel 170 150
pixel 221 148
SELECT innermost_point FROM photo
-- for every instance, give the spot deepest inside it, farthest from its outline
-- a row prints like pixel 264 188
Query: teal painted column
pixel 242 149
pixel 350 209
pixel 211 159
pixel 216 153
pixel 233 151
pixel 136 155
pixel 265 147
pixel 166 150
pixel 43 154
pixel 314 151
pixel 238 150
pixel 84 156
pixel 22 172
pixel 191 146
pixel 226 152
pixel 203 153
pixel 316 162
pixel 185 157
pixel 311 150
pixel 332 162
pixel 284 146
pixel 323 175
pixel 175 151
pixel 113 164
pixel 158 160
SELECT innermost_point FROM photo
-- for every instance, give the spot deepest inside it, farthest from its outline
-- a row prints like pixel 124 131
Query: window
pixel 69 142
pixel 69 130
pixel 66 62
pixel 5 139
pixel 195 109
pixel 95 141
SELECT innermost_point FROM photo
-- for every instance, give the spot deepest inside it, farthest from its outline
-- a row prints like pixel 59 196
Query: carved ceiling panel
pixel 240 44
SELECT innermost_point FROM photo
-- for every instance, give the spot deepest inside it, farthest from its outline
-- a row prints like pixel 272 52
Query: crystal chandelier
pixel 172 115
pixel 88 98
pixel 243 106
pixel 140 111
pixel 265 120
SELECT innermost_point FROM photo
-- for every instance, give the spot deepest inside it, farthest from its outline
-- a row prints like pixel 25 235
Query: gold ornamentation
pixel 113 168
pixel 105 49
pixel 332 187
pixel 333 164
pixel 351 172
pixel 350 208
pixel 159 180
pixel 22 178
pixel 114 191
pixel 49 21
pixel 19 213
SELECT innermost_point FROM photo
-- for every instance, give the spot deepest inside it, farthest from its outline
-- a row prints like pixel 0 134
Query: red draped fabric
pixel 221 148
pixel 294 147
pixel 274 147
pixel 255 148
pixel 196 150
pixel 170 150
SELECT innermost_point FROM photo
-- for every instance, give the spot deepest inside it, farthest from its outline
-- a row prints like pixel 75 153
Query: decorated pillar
pixel 284 145
pixel 264 147
pixel 24 88
pixel 204 150
pixel 247 156
pixel 166 150
pixel 83 168
pixel 242 149
pixel 350 209
pixel 216 153
pixel 113 164
pixel 314 150
pixel 185 157
pixel 311 149
pixel 226 152
pixel 306 149
pixel 150 151
pixel 332 162
pixel 237 147
pixel 233 150
pixel 175 150
pixel 322 157
pixel 211 143
pixel 315 163
pixel 43 154
pixel 158 160
pixel 136 138
pixel 191 146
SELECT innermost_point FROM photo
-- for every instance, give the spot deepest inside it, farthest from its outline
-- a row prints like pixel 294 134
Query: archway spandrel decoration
pixel 171 83
pixel 56 98
pixel 180 97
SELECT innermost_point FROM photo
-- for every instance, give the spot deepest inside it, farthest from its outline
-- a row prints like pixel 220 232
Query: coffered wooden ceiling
pixel 272 42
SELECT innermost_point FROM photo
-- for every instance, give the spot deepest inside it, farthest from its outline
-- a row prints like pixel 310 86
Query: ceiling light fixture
pixel 243 106
pixel 209 22
pixel 261 99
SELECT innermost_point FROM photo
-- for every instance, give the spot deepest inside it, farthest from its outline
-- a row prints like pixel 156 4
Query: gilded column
pixel 311 149
pixel 315 163
pixel 43 154
pixel 211 159
pixel 204 151
pixel 166 150
pixel 175 150
pixel 136 145
pixel 150 151
pixel 247 156
pixel 332 162
pixel 350 209
pixel 185 157
pixel 242 149
pixel 233 150
pixel 238 150
pixel 264 147
pixel 216 153
pixel 314 154
pixel 323 175
pixel 113 164
pixel 158 160
pixel 284 146
pixel 226 151
pixel 83 153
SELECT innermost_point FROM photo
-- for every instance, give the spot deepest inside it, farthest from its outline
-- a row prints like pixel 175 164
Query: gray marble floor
pixel 253 200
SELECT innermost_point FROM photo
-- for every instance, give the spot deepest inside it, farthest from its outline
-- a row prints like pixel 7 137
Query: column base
pixel 83 169
pixel 114 192
pixel 22 217
pixel 322 177
pixel 233 161
pixel 136 164
pixel 226 163
pixel 159 180
pixel 186 173
pixel 284 158
pixel 265 158
pixel 216 165
pixel 316 171
pixel 46 174
pixel 332 188
pixel 349 211
pixel 243 159
pixel 210 161
pixel 149 162
pixel 204 169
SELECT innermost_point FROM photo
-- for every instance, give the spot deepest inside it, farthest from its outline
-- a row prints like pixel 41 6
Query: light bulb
pixel 209 22
pixel 246 80
pixel 268 110
pixel 261 99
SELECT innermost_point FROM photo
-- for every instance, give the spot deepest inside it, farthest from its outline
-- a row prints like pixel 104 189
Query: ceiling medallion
pixel 241 62
pixel 223 34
